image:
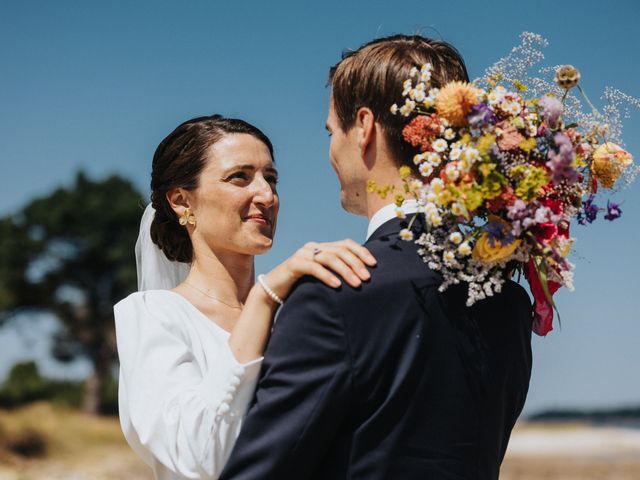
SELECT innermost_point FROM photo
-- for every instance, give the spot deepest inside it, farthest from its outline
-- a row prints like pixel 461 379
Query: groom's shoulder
pixel 399 267
pixel 399 258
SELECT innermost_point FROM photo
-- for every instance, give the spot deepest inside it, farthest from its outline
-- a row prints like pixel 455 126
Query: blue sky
pixel 96 85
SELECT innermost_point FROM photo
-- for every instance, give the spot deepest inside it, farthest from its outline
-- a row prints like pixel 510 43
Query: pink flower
pixel 510 137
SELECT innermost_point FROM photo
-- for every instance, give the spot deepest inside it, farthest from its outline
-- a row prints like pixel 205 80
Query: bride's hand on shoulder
pixel 325 261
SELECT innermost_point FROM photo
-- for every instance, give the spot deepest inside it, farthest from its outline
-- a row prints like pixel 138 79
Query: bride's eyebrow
pixel 248 167
pixel 235 168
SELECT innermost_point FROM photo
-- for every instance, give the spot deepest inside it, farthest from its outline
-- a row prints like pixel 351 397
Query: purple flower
pixel 518 213
pixel 514 211
pixel 562 142
pixel 613 211
pixel 551 110
pixel 543 214
pixel 480 116
pixel 561 161
pixel 589 213
pixel 498 232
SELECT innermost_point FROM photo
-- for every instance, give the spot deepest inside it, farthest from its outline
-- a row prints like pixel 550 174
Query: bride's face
pixel 236 202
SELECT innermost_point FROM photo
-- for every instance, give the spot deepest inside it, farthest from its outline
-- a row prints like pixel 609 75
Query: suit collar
pixel 390 227
pixel 386 213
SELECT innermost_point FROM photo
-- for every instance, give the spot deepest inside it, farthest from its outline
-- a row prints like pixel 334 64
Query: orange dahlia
pixel 455 100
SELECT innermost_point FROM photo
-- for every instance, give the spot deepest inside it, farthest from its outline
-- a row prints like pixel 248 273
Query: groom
pixel 393 380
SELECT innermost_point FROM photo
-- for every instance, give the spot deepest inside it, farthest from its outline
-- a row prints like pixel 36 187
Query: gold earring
pixel 187 217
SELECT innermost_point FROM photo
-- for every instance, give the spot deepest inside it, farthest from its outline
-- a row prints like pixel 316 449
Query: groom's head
pixel 367 138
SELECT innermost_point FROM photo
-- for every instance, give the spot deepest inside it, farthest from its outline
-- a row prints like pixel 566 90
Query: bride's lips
pixel 260 219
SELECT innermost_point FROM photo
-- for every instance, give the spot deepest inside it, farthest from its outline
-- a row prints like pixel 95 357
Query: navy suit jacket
pixel 393 380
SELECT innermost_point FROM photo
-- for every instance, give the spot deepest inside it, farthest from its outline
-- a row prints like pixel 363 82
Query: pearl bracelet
pixel 272 295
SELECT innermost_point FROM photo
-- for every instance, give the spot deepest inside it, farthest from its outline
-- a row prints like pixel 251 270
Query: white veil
pixel 155 270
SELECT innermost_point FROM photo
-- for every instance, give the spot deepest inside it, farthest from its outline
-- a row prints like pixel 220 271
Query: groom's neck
pixel 375 201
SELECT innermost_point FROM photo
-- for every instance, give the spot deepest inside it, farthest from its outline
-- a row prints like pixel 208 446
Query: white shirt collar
pixel 388 212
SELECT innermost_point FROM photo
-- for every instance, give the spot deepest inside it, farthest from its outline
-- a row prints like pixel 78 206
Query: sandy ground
pixel 572 451
pixel 84 448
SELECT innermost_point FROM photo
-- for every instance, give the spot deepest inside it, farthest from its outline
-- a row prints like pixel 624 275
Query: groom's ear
pixel 178 199
pixel 366 124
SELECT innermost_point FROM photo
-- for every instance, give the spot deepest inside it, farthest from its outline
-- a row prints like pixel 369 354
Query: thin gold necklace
pixel 212 297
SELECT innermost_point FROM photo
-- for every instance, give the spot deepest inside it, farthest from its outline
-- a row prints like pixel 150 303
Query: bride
pixel 190 341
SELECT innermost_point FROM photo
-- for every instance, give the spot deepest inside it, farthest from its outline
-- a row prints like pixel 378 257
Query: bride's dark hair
pixel 178 163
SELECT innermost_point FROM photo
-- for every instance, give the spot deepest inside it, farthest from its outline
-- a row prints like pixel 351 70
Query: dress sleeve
pixel 174 410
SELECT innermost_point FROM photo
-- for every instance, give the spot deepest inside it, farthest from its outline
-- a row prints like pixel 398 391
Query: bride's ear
pixel 178 199
pixel 366 123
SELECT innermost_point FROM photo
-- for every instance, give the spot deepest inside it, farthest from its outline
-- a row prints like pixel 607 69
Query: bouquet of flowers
pixel 504 174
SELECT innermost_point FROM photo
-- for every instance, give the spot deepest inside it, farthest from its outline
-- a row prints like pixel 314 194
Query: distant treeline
pixel 25 385
pixel 627 414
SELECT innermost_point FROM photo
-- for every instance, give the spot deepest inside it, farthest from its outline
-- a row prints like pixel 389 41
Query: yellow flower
pixel 472 197
pixel 486 168
pixel 609 161
pixel 455 100
pixel 520 86
pixel 444 198
pixel 437 185
pixel 405 171
pixel 530 181
pixel 494 78
pixel 486 253
pixel 466 138
pixel 517 122
pixel 485 143
pixel 528 144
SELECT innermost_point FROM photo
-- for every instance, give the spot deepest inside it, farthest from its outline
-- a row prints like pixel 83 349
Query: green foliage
pixel 109 397
pixel 72 253
pixel 25 385
pixel 16 251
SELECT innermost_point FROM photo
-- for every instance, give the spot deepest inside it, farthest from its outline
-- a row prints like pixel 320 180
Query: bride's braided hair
pixel 178 163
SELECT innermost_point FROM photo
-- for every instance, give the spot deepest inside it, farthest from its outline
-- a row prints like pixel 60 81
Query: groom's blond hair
pixel 372 77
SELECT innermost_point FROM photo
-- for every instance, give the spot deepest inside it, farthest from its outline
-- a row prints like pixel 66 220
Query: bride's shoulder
pixel 157 304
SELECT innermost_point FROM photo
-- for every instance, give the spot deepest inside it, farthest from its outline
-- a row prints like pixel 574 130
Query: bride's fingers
pixel 362 252
pixel 333 261
pixel 322 274
pixel 353 262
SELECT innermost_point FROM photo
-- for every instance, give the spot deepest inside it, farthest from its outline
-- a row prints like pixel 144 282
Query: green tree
pixel 71 253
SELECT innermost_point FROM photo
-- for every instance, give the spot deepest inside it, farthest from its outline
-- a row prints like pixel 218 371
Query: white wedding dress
pixel 182 394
